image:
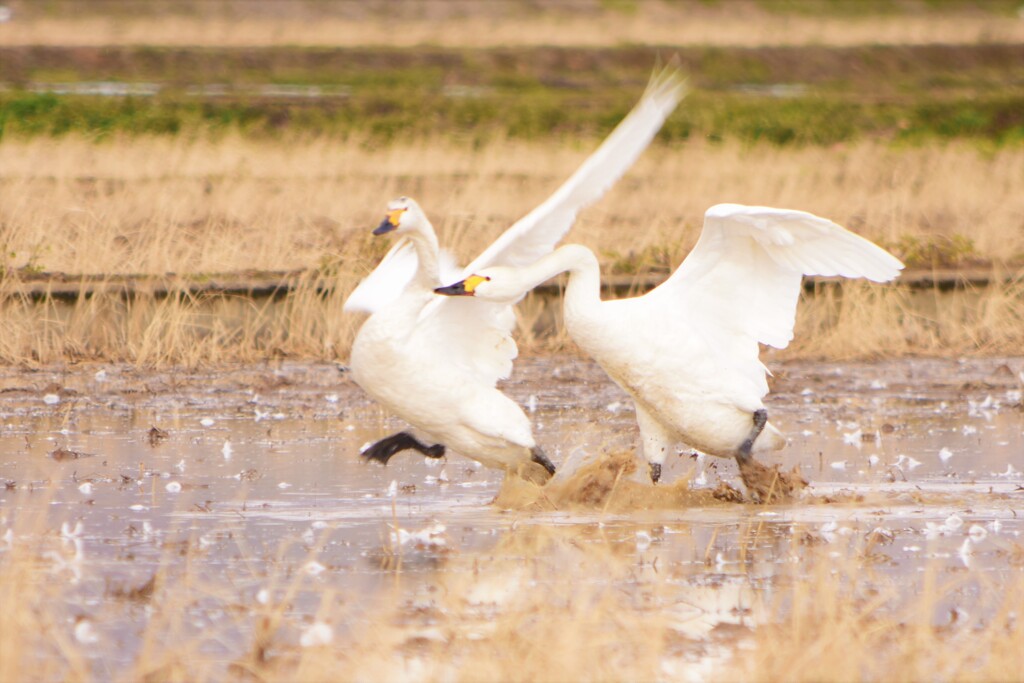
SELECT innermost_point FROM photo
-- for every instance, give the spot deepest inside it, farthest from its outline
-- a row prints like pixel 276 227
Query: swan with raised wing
pixel 687 351
pixel 435 361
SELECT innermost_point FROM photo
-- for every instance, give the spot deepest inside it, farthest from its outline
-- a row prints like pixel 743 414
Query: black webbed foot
pixel 655 472
pixel 388 446
pixel 537 455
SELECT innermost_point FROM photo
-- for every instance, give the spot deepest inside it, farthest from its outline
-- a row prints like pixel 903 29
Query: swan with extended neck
pixel 687 351
pixel 435 362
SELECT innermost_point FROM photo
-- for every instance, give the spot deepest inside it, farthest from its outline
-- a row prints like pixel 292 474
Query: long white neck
pixel 583 292
pixel 424 241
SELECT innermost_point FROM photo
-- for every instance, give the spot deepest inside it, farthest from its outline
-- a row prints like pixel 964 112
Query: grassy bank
pixel 801 95
pixel 155 205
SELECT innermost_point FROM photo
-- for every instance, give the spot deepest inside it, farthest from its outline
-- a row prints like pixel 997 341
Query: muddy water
pixel 248 476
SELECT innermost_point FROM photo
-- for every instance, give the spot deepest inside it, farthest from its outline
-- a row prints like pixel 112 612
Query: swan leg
pixel 388 446
pixel 537 455
pixel 655 440
pixel 743 455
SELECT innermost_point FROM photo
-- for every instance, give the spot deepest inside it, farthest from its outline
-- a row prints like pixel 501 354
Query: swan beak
pixel 458 289
pixel 465 287
pixel 390 222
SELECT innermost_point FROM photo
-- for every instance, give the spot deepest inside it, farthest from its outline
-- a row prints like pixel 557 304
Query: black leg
pixel 655 472
pixel 388 446
pixel 542 460
pixel 760 420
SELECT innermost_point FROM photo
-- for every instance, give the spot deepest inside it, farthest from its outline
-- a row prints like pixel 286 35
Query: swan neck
pixel 424 241
pixel 583 291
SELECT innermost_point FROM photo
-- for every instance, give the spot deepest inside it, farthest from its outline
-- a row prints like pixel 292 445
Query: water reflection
pixel 123 484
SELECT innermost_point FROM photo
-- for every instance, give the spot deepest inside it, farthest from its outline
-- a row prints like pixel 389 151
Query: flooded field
pixel 177 525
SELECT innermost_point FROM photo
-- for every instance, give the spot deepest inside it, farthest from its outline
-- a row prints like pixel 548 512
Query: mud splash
pixel 771 484
pixel 607 484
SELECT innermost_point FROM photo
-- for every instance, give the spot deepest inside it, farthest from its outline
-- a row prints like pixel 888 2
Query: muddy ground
pixel 116 476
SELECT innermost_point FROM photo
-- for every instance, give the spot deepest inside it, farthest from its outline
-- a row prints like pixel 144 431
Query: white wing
pixel 741 283
pixel 536 234
pixel 391 276
pixel 472 336
pixel 478 333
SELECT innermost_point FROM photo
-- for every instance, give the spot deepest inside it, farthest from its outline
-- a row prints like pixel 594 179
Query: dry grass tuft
pixel 864 320
pixel 837 630
pixel 193 206
pixel 459 24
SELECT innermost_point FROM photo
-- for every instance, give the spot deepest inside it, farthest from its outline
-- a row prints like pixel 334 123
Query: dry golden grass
pixel 509 24
pixel 840 630
pixel 154 205
pixel 198 206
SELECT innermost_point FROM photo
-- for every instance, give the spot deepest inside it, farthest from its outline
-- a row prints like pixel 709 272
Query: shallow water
pixel 255 479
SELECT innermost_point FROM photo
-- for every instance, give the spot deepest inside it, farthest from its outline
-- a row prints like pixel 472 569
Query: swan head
pixel 492 284
pixel 404 215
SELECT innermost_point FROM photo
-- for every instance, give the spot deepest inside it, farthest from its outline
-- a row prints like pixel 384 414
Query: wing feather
pixel 476 337
pixel 741 283
pixel 536 234
pixel 484 346
pixel 388 280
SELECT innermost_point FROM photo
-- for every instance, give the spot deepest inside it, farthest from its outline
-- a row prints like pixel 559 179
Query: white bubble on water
pixel 173 487
pixel 51 399
pixel 317 635
pixel 207 422
pixel 85 633
pixel 313 568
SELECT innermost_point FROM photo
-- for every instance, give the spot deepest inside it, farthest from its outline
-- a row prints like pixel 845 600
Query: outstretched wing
pixel 391 276
pixel 536 234
pixel 472 337
pixel 741 283
pixel 478 333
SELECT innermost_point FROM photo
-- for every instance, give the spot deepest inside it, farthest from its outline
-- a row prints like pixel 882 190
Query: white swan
pixel 687 351
pixel 435 361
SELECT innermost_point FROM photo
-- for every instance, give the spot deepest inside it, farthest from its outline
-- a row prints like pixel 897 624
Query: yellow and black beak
pixel 390 222
pixel 465 287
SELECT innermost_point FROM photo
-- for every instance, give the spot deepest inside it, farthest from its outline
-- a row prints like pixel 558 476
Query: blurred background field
pixel 259 141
